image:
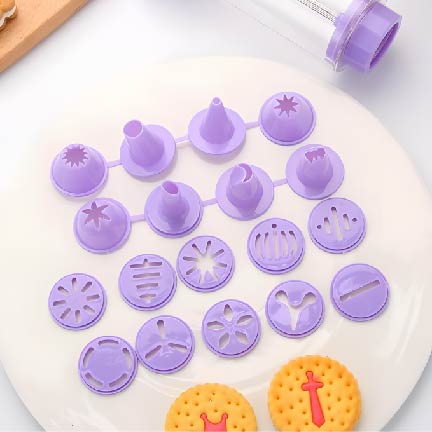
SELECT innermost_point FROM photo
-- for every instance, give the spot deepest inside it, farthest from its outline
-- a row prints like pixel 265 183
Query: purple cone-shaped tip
pixel 315 169
pixel 217 127
pixel 244 188
pixel 173 207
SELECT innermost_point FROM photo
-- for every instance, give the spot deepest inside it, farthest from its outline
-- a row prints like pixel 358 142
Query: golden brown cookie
pixel 8 10
pixel 314 393
pixel 211 407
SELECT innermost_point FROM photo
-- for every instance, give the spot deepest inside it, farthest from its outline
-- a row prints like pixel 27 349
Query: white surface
pixel 85 48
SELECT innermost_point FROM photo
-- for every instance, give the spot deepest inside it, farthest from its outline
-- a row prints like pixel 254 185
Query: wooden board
pixel 35 21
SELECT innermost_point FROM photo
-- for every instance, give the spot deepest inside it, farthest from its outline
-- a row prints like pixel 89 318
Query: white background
pixel 120 34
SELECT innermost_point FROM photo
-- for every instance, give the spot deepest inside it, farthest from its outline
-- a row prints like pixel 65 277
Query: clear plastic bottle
pixel 354 33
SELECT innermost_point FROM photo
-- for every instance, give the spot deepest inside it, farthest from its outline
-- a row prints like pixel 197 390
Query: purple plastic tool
pixel 147 282
pixel 315 172
pixel 217 130
pixel 287 118
pixel 337 225
pixel 165 344
pixel 147 150
pixel 295 309
pixel 79 171
pixel 276 246
pixel 102 225
pixel 107 365
pixel 77 301
pixel 173 209
pixel 231 328
pixel 244 192
pixel 360 292
pixel 205 263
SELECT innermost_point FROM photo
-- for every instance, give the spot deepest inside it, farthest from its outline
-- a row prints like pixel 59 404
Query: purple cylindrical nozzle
pixel 315 169
pixel 217 127
pixel 244 189
pixel 173 207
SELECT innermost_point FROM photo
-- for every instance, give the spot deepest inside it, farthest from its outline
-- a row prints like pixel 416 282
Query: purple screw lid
pixel 77 301
pixel 231 328
pixel 147 282
pixel 360 292
pixel 79 171
pixel 205 263
pixel 102 225
pixel 147 150
pixel 217 130
pixel 244 192
pixel 276 246
pixel 173 209
pixel 295 309
pixel 287 118
pixel 315 171
pixel 337 225
pixel 165 344
pixel 107 365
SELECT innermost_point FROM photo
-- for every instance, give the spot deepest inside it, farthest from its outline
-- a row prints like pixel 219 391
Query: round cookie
pixel 314 393
pixel 211 407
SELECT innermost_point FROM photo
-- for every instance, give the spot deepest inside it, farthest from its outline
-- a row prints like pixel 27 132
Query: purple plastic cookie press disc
pixel 295 309
pixel 205 263
pixel 78 171
pixel 165 344
pixel 315 172
pixel 231 328
pixel 77 301
pixel 107 365
pixel 360 292
pixel 276 246
pixel 173 209
pixel 147 282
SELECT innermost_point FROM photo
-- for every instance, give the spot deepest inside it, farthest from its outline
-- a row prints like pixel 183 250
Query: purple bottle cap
pixel 315 172
pixel 77 301
pixel 79 171
pixel 337 225
pixel 217 130
pixel 205 263
pixel 165 344
pixel 102 225
pixel 173 209
pixel 147 282
pixel 231 328
pixel 360 292
pixel 276 246
pixel 287 118
pixel 107 365
pixel 295 309
pixel 244 192
pixel 147 150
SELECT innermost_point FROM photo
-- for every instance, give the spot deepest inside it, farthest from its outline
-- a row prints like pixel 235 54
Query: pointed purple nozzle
pixel 217 127
pixel 173 207
pixel 244 188
pixel 315 170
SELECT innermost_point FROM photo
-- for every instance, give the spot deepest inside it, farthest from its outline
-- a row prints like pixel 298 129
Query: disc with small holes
pixel 165 344
pixel 276 246
pixel 205 263
pixel 231 328
pixel 77 301
pixel 337 225
pixel 107 365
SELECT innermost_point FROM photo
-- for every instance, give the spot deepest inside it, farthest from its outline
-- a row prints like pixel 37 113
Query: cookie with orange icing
pixel 8 10
pixel 211 408
pixel 314 393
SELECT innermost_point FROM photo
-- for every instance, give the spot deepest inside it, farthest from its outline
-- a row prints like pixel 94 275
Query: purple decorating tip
pixel 165 344
pixel 231 328
pixel 217 130
pixel 102 225
pixel 276 246
pixel 209 278
pixel 147 150
pixel 295 309
pixel 360 292
pixel 79 171
pixel 244 192
pixel 147 282
pixel 315 171
pixel 287 118
pixel 77 301
pixel 173 209
pixel 107 365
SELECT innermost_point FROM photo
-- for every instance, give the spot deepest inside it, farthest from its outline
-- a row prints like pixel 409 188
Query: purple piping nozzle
pixel 315 169
pixel 173 206
pixel 217 127
pixel 244 189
